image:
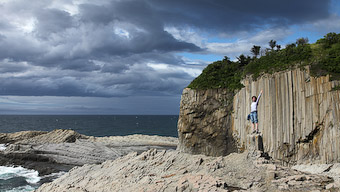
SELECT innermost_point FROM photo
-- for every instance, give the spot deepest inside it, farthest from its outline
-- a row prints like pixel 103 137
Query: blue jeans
pixel 253 117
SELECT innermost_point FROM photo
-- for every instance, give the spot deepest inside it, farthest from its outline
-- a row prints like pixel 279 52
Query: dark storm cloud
pixel 77 64
pixel 211 15
pixel 7 66
pixel 19 48
pixel 241 14
pixel 52 87
pixel 111 49
pixel 52 21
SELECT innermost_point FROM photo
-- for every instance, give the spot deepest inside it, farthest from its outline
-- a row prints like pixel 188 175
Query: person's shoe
pixel 254 131
pixel 257 132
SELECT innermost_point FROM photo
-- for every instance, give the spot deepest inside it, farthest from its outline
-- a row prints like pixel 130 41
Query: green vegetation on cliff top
pixel 322 56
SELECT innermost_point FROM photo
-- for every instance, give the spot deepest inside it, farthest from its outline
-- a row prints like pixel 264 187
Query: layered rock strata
pixel 60 150
pixel 156 170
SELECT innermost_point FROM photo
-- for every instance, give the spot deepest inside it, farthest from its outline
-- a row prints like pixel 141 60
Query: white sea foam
pixel 2 147
pixel 31 176
pixel 25 188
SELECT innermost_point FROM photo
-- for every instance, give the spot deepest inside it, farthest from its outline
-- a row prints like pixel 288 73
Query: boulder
pixel 254 142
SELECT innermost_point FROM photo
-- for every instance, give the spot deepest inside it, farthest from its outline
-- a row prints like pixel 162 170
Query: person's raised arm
pixel 258 98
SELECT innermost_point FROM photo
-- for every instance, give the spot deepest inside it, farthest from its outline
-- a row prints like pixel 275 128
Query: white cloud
pixel 72 7
pixel 187 35
pixel 122 32
pixel 263 37
pixel 231 49
pixel 330 24
pixel 166 68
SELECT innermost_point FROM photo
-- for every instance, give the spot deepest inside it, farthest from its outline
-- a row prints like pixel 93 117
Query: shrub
pixel 323 57
pixel 220 74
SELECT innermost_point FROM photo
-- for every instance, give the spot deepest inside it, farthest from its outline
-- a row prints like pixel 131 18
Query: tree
pixel 255 50
pixel 290 48
pixel 278 47
pixel 329 40
pixel 226 59
pixel 302 41
pixel 272 44
pixel 243 60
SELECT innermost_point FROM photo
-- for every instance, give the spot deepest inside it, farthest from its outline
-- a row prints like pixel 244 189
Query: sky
pixel 135 56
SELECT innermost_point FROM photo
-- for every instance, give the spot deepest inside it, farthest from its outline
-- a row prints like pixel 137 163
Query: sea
pixel 19 179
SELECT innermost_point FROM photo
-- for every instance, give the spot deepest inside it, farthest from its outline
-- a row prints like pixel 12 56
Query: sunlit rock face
pixel 298 118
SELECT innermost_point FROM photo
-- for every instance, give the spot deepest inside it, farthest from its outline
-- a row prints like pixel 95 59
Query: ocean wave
pixel 2 147
pixel 31 176
pixel 25 188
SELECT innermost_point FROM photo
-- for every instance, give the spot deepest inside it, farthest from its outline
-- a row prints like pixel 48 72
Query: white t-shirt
pixel 254 104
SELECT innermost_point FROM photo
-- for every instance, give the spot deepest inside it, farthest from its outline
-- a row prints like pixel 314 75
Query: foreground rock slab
pixel 156 170
pixel 60 150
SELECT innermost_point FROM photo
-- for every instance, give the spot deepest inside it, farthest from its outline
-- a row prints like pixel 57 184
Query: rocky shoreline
pixel 151 163
pixel 161 170
pixel 61 150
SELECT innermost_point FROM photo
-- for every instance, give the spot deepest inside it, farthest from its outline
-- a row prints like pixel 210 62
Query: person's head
pixel 254 98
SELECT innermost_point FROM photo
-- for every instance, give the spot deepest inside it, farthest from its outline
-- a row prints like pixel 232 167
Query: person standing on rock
pixel 253 112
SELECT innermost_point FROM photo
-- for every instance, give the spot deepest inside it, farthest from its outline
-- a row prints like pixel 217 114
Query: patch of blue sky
pixel 299 32
pixel 313 35
pixel 203 57
pixel 335 7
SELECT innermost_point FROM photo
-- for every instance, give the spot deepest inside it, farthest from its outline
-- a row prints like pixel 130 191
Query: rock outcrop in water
pixel 299 117
pixel 60 150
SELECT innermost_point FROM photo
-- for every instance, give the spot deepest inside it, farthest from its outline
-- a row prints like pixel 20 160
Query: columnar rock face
pixel 298 117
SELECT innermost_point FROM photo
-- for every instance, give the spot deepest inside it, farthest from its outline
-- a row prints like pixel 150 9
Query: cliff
pixel 298 118
pixel 204 122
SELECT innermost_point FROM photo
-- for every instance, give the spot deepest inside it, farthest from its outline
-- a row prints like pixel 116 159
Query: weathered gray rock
pixel 156 170
pixel 204 122
pixel 58 150
pixel 254 142
pixel 55 136
pixel 299 118
pixel 18 136
pixel 330 170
